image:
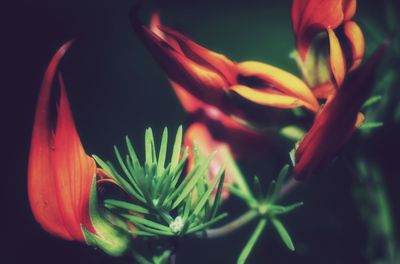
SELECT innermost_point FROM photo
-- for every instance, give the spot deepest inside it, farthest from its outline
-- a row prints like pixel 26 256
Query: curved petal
pixel 59 173
pixel 285 85
pixel 74 170
pixel 309 17
pixel 357 43
pixel 267 97
pixel 336 57
pixel 207 58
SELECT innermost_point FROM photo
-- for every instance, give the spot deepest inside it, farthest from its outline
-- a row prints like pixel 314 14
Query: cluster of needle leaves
pixel 265 205
pixel 164 200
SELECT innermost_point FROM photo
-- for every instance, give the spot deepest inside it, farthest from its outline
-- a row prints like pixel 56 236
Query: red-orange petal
pixel 58 202
pixel 74 170
pixel 325 90
pixel 349 9
pixel 357 43
pixel 309 17
pixel 214 61
pixel 336 122
pixel 198 79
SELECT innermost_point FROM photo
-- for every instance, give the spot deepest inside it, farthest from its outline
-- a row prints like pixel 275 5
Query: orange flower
pixel 212 78
pixel 336 122
pixel 346 41
pixel 60 174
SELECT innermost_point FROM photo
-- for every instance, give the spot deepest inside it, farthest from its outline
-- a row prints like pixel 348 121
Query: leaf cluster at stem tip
pixel 265 204
pixel 163 201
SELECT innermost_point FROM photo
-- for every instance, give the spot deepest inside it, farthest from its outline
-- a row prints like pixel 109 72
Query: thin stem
pixel 242 220
pixel 232 226
pixel 288 187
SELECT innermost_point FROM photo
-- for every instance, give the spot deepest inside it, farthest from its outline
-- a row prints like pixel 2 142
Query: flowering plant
pixel 142 207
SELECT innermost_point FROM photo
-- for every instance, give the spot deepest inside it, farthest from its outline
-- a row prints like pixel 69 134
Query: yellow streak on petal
pixel 267 99
pixel 356 38
pixel 337 61
pixel 283 81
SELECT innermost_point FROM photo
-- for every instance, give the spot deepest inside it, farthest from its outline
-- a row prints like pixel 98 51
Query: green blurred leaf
pixel 111 203
pixel 252 241
pixel 283 233
pixel 370 125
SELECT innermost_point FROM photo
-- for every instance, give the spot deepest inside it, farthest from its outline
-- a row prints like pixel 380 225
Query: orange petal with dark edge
pixel 197 79
pixel 275 87
pixel 154 26
pixel 309 17
pixel 50 196
pixel 214 61
pixel 357 43
pixel 336 57
pixel 40 171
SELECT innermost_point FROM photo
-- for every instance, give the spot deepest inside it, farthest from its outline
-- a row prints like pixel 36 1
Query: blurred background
pixel 116 89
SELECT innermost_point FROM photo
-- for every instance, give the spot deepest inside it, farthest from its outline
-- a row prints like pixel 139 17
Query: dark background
pixel 115 88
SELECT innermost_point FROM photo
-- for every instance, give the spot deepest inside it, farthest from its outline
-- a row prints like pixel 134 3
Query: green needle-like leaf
pixel 257 187
pixel 177 171
pixel 217 198
pixel 150 230
pixel 207 224
pixel 125 169
pixel 250 200
pixel 278 209
pixel 150 150
pixel 163 152
pixel 141 233
pixel 110 204
pixel 132 154
pixel 186 189
pixel 252 241
pixel 279 182
pixel 143 221
pixel 372 100
pixel 203 200
pixel 369 125
pixel 177 148
pixel 283 233
pixel 118 178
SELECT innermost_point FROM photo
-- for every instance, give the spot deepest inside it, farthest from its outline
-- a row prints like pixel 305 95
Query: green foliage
pixel 267 209
pixel 163 201
pixel 373 203
pixel 109 235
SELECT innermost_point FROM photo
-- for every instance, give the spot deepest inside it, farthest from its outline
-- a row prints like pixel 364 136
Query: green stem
pixel 139 258
pixel 247 217
pixel 232 226
pixel 252 241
